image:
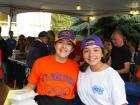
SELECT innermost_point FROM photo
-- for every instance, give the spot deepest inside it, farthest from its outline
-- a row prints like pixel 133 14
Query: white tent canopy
pixel 89 7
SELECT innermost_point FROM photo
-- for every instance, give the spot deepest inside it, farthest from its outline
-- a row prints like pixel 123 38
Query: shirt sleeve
pixel 118 93
pixel 127 55
pixel 33 78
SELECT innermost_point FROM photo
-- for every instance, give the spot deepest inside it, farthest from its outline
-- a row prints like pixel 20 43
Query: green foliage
pixel 60 22
pixel 128 24
pixel 130 27
pixel 80 27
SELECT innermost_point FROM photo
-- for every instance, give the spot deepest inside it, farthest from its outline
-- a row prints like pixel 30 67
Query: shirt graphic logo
pixel 56 90
pixel 97 90
pixel 57 77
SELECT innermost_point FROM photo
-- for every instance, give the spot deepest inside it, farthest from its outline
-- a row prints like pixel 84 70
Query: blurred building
pixel 29 23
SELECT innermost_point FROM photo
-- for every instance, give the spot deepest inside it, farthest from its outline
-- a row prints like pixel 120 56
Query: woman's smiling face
pixel 63 48
pixel 92 54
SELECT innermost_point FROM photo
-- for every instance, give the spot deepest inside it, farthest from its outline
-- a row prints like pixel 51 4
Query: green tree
pixel 60 22
pixel 128 24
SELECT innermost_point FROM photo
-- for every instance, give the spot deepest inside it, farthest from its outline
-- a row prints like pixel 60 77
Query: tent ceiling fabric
pixel 89 7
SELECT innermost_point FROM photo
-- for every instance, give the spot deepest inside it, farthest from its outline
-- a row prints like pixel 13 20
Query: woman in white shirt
pixel 99 84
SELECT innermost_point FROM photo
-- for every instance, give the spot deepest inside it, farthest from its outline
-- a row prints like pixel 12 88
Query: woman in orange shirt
pixel 56 75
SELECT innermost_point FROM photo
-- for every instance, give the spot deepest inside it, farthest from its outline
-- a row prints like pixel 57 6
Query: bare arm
pixel 125 69
pixel 29 87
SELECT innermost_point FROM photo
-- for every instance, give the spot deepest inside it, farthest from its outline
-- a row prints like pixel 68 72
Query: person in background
pixel 51 42
pixel 137 64
pixel 11 42
pixel 137 57
pixel 5 54
pixel 55 76
pixel 0 65
pixel 39 48
pixel 131 46
pixel 120 55
pixel 133 86
pixel 29 41
pixel 107 51
pixel 138 76
pixel 77 55
pixel 21 43
pixel 99 84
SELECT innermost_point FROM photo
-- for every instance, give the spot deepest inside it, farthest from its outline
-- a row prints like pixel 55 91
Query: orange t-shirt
pixel 53 78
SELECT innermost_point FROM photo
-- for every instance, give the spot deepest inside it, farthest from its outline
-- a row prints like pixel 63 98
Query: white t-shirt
pixel 101 88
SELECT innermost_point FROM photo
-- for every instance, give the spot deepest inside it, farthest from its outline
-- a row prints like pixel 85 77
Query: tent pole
pixel 10 18
pixel 88 26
